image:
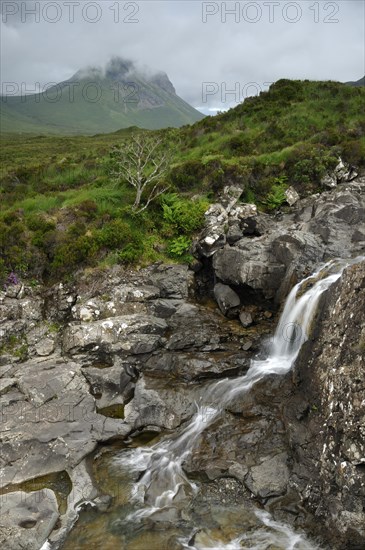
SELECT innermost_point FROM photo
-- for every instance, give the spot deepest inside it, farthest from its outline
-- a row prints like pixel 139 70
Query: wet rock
pixel 193 328
pixel 247 345
pixel 195 365
pixel 111 386
pixel 51 423
pixel 270 478
pixel 82 494
pixel 227 299
pixel 238 471
pixel 154 406
pixel 328 438
pixel 27 519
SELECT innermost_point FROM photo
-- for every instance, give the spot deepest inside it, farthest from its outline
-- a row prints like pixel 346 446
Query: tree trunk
pixel 137 199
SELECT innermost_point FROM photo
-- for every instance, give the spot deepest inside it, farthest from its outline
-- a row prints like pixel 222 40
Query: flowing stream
pixel 163 480
pixel 153 511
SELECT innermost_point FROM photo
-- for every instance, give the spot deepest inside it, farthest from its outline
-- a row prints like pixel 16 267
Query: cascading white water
pixel 272 534
pixel 163 479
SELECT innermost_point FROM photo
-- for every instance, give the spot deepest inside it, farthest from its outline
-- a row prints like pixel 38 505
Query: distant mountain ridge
pixel 360 82
pixel 98 100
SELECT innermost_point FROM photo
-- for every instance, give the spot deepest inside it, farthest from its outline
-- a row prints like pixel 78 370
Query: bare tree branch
pixel 142 162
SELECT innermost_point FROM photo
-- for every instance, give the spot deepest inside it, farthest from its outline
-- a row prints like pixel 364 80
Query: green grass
pixel 61 210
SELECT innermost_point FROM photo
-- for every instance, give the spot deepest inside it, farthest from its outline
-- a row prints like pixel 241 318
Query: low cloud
pixel 195 43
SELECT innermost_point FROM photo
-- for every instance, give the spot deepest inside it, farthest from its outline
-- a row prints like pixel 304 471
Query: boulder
pixel 227 299
pixel 245 318
pixel 251 264
pixel 118 330
pixel 172 281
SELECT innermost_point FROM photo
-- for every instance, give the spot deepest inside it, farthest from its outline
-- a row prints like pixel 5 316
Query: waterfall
pixel 163 482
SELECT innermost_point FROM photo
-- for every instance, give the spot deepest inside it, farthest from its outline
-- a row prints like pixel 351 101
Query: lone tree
pixel 142 161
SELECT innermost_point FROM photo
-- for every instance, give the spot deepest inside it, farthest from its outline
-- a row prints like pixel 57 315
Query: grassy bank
pixel 62 210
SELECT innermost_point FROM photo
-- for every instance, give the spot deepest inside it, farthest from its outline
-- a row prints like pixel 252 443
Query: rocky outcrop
pixel 325 419
pixel 270 254
pixel 105 360
pixel 343 173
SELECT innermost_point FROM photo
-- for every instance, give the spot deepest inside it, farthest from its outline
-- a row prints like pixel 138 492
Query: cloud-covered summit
pixel 237 47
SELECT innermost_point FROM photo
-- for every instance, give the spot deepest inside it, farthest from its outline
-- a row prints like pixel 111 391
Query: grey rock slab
pixel 137 293
pixel 153 406
pixel 28 517
pixel 110 386
pixel 45 347
pixel 165 308
pixel 6 384
pixel 110 331
pixel 270 478
pixel 193 366
pixel 137 344
pixel 172 281
pixel 52 423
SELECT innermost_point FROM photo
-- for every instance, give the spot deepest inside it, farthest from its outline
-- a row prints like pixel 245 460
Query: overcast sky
pixel 205 49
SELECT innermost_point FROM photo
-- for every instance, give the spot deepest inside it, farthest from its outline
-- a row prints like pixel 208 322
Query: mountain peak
pixel 118 68
pixel 104 99
pixel 123 70
pixel 162 80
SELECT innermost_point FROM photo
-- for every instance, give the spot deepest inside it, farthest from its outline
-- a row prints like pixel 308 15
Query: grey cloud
pixel 171 36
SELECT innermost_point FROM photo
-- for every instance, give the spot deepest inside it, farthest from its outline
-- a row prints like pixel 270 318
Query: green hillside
pixel 94 102
pixel 62 209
